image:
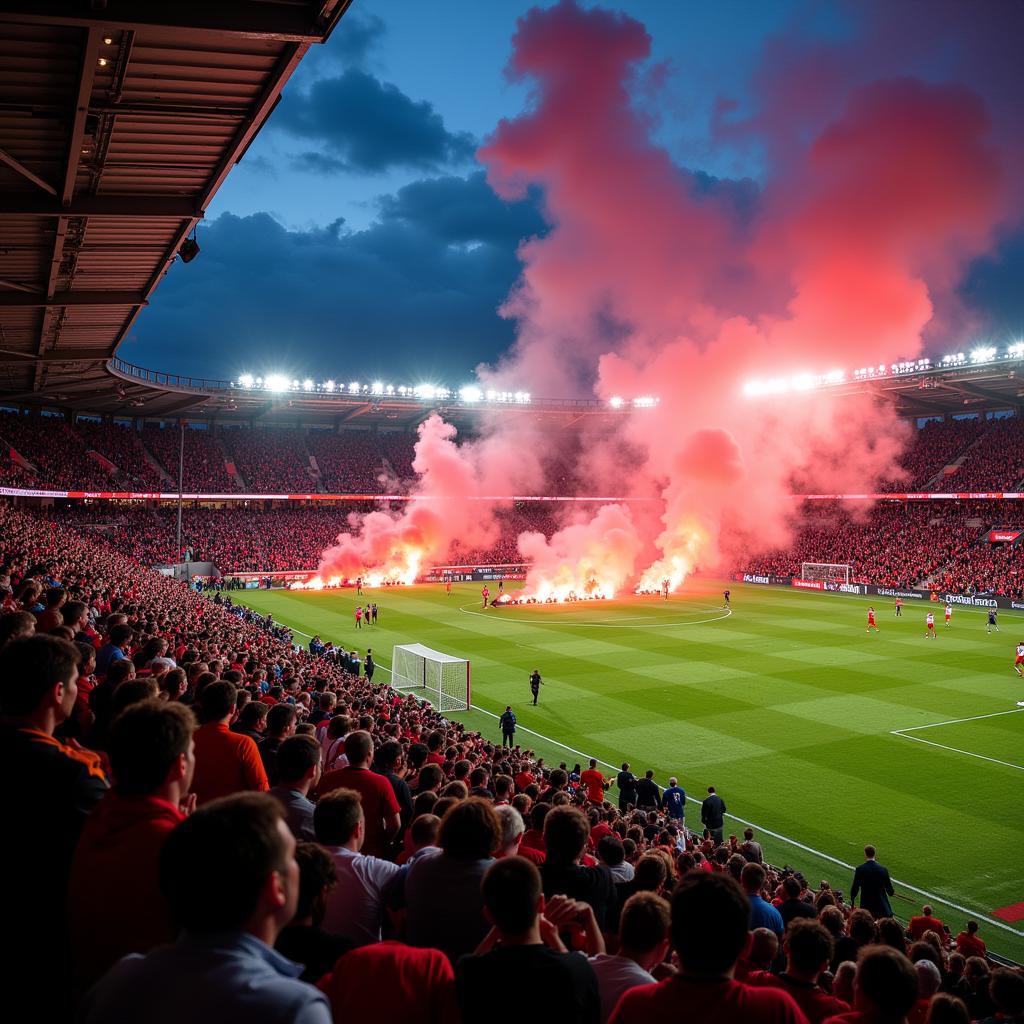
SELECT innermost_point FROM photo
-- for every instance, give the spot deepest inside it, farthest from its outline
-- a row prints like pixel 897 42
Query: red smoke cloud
pixel 653 280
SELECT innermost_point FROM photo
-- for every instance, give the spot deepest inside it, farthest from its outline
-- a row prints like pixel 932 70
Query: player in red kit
pixel 929 623
pixel 1019 660
pixel 872 625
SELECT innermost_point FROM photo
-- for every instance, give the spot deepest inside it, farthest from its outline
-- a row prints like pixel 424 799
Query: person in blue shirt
pixel 223 966
pixel 762 913
pixel 113 650
pixel 674 801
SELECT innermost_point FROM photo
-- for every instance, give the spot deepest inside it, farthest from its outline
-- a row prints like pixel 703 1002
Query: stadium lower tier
pixel 946 545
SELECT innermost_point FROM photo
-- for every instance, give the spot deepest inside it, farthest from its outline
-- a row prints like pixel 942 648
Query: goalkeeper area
pixel 440 678
pixel 820 735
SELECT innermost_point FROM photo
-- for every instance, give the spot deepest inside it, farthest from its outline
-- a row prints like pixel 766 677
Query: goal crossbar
pixel 440 678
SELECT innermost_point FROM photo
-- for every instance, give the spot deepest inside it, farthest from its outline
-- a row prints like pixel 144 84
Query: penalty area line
pixel 995 922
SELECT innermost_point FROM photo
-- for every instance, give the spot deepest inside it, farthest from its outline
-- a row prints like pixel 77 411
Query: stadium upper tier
pixel 49 452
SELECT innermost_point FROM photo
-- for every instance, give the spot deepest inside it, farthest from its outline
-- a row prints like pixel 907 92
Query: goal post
pixel 434 676
pixel 828 572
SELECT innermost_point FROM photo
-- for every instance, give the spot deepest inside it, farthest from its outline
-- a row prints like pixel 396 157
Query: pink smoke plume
pixel 656 280
pixel 660 284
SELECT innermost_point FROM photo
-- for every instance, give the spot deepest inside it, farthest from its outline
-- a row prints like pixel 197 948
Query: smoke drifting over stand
pixel 654 279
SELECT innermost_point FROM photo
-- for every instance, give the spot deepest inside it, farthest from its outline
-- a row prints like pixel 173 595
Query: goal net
pixel 829 572
pixel 432 675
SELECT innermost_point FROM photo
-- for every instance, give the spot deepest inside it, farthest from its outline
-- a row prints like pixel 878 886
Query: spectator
pixel 926 921
pixel 442 890
pixel 566 831
pixel 303 940
pixel 762 913
pixel 49 789
pixel 226 762
pixel 281 720
pixel 968 943
pixel 648 796
pixel 885 988
pixel 1006 991
pixel 114 649
pixel 861 931
pixel 380 806
pixel 392 982
pixel 643 944
pixel 522 943
pixel 230 921
pixel 298 767
pixel 808 948
pixel 794 906
pixel 116 906
pixel 947 1009
pixel 388 762
pixel 512 829
pixel 704 988
pixel 750 848
pixel 356 906
pixel 712 814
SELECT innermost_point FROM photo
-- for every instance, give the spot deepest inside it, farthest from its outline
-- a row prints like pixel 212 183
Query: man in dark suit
pixel 508 727
pixel 872 881
pixel 712 814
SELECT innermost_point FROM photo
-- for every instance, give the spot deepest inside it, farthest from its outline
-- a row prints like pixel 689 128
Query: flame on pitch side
pixel 682 544
pixel 404 569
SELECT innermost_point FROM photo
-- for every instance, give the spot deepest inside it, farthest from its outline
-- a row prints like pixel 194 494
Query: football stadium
pixel 518 500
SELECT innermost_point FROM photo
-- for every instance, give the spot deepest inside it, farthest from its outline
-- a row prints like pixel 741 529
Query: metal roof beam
pixel 19 168
pixel 82 355
pixel 82 298
pixel 252 19
pixel 20 204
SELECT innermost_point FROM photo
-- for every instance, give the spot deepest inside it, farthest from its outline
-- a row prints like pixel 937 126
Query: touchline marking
pixel 957 721
pixel 995 922
pixel 957 750
pixel 599 625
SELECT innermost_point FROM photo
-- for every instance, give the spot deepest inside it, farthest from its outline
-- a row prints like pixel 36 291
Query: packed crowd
pixel 996 462
pixel 893 545
pixel 935 446
pixel 52 448
pixel 120 444
pixel 203 468
pixel 224 827
pixel 270 461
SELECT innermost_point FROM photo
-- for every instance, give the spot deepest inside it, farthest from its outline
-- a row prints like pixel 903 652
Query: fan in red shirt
pixel 968 943
pixel 115 903
pixel 226 762
pixel 925 922
pixel 594 782
pixel 809 949
pixel 710 914
pixel 380 805
pixel 392 982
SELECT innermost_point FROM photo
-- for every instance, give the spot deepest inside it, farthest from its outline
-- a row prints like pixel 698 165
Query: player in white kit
pixel 929 622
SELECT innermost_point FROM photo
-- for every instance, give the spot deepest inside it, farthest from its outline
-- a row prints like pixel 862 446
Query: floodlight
pixel 277 382
pixel 983 354
pixel 1016 350
pixel 616 401
pixel 329 386
pixel 645 402
pixel 307 385
pixel 353 388
pixel 471 393
pixel 377 388
pixel 190 247
pixel 246 380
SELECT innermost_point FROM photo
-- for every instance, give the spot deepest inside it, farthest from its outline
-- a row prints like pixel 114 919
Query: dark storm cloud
pixel 992 290
pixel 369 126
pixel 413 296
pixel 356 36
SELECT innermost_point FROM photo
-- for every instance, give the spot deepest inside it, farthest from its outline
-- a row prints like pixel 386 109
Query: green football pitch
pixel 819 735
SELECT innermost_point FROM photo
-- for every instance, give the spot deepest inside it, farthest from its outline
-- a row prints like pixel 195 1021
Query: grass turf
pixel 786 705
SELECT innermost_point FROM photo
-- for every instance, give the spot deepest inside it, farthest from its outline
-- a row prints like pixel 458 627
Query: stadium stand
pixel 204 463
pixel 120 444
pixel 270 461
pixel 161 660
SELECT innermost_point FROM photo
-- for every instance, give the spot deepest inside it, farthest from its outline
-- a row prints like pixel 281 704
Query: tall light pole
pixel 181 473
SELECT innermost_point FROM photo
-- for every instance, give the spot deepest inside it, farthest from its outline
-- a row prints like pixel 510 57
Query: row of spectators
pixel 267 837
pixel 278 459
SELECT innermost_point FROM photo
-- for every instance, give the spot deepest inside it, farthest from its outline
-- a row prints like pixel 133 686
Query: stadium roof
pixel 119 120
